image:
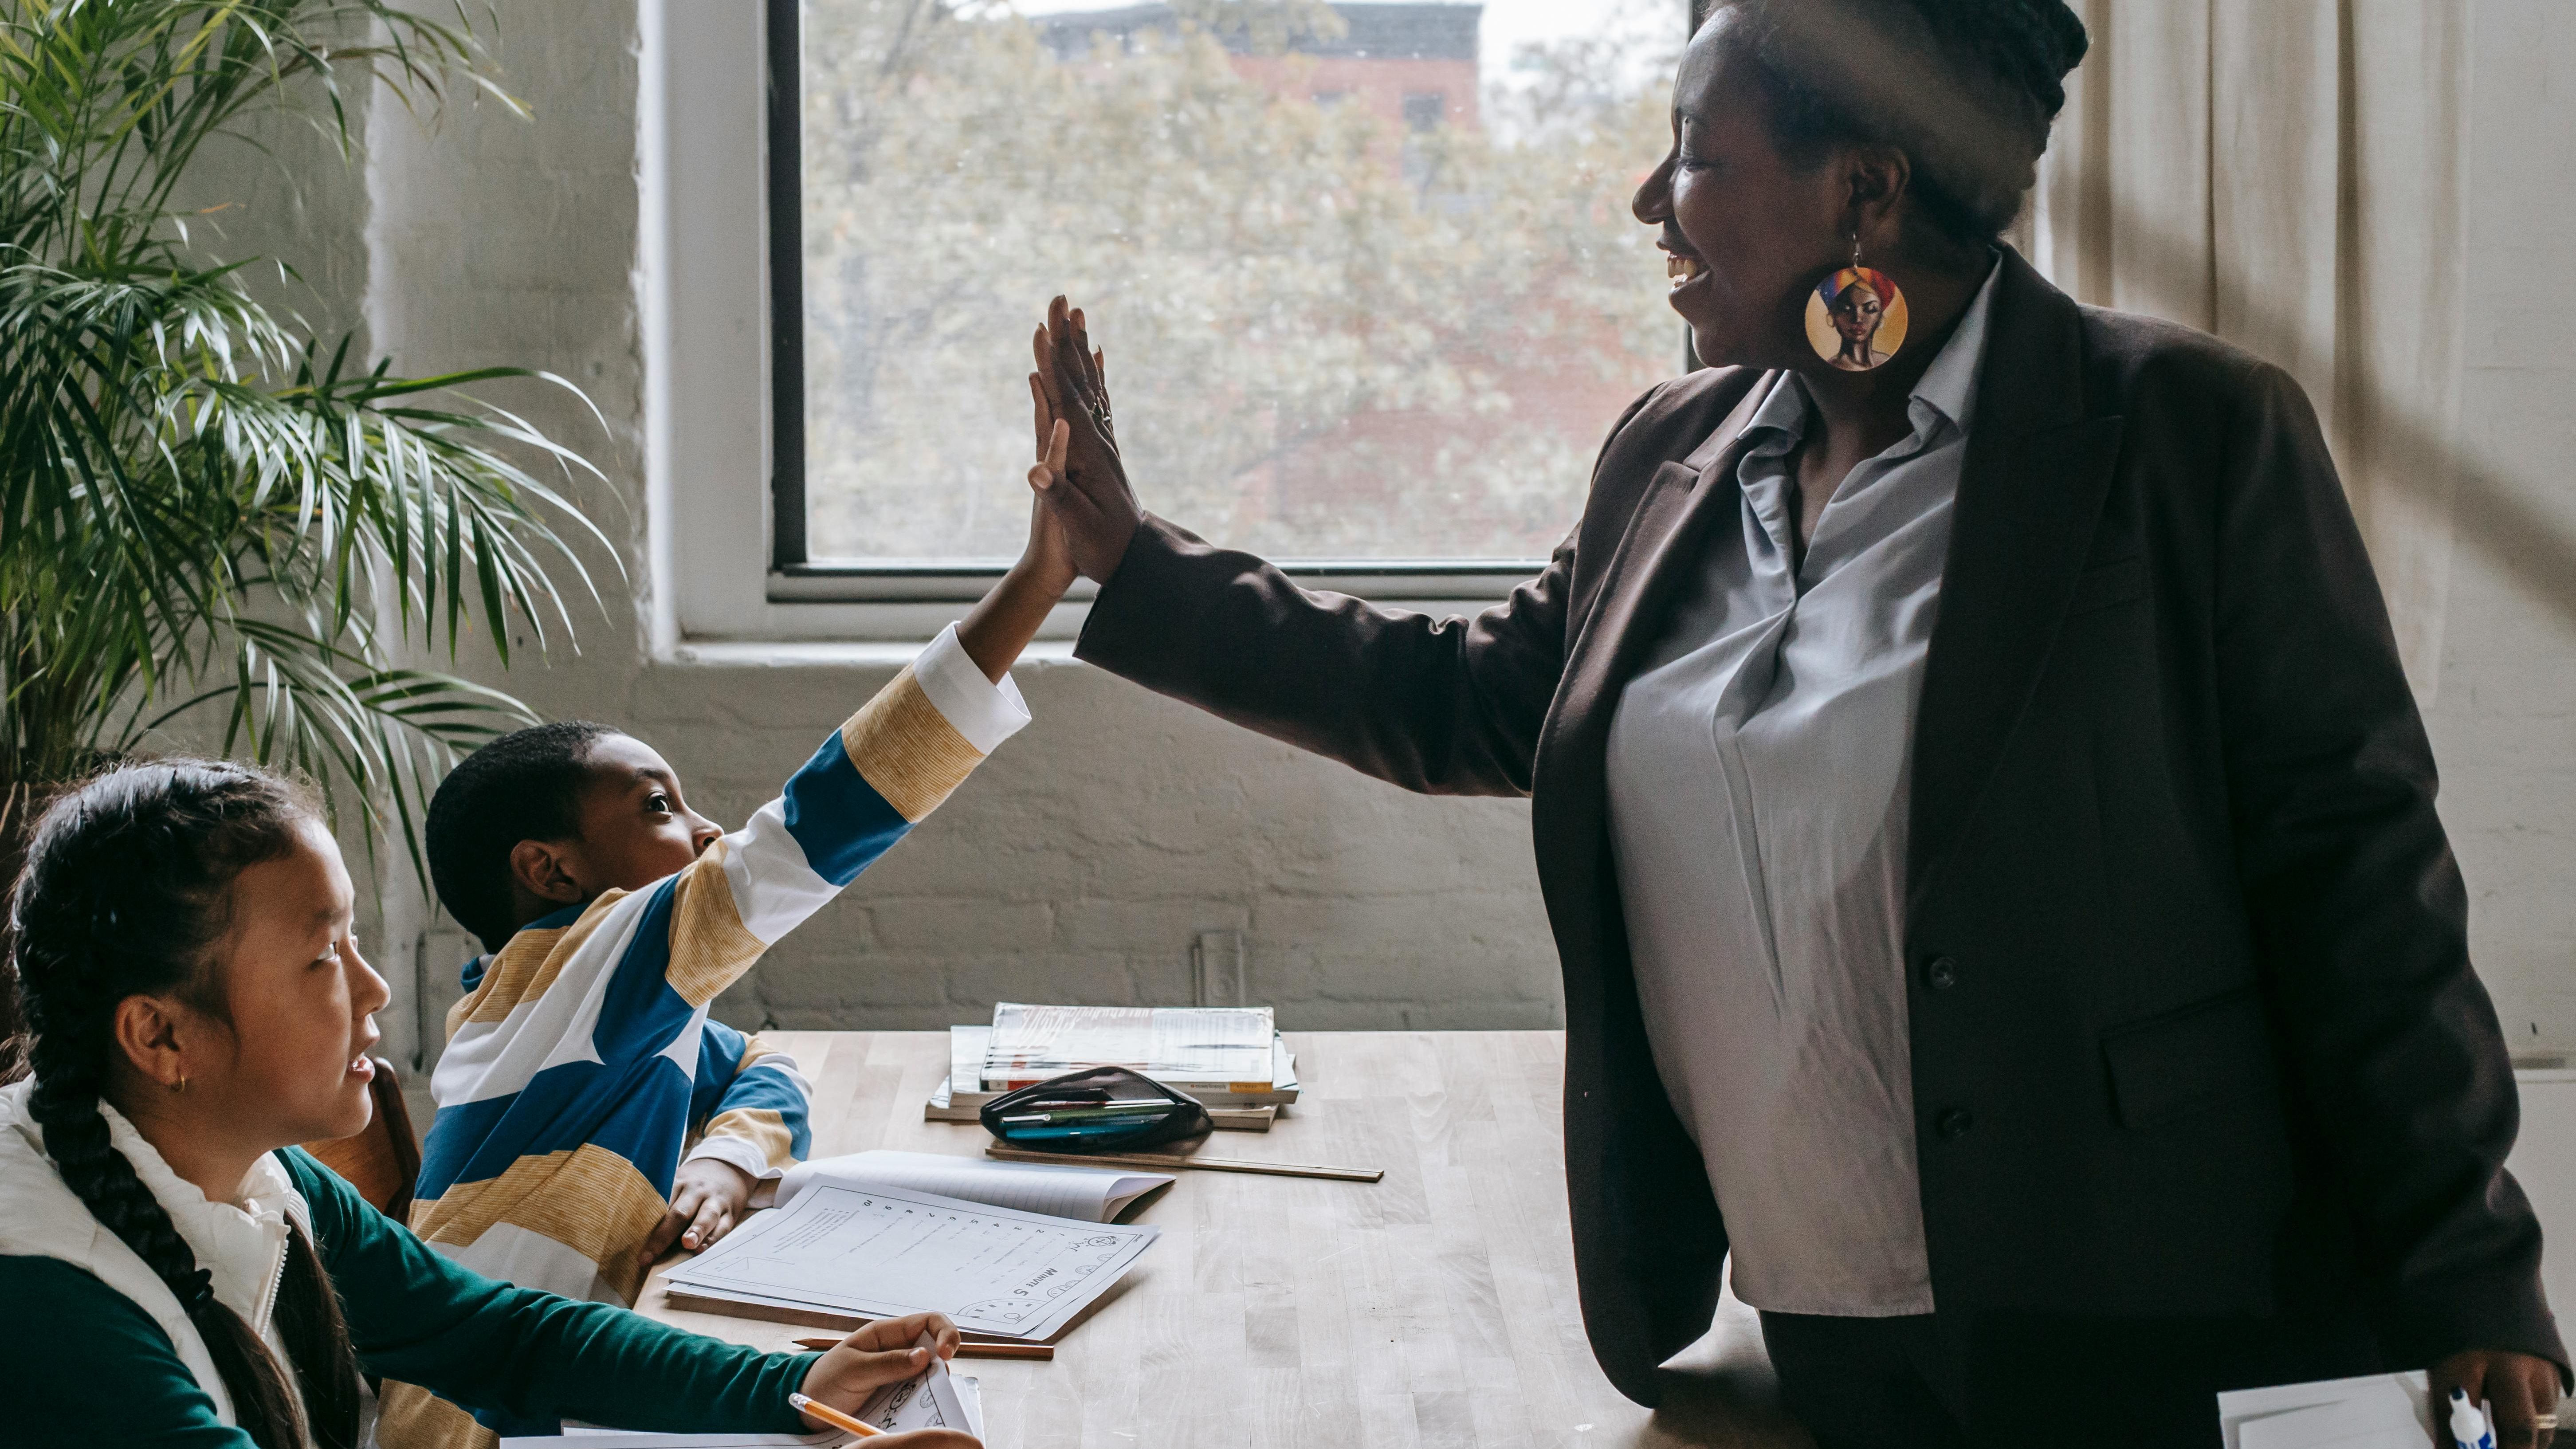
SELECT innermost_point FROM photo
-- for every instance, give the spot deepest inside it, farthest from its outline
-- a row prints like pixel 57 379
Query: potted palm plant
pixel 211 518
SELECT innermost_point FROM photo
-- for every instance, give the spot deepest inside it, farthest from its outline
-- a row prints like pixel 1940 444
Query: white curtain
pixel 2287 174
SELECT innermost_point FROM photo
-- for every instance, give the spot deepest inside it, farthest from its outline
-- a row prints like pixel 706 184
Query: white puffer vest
pixel 242 1244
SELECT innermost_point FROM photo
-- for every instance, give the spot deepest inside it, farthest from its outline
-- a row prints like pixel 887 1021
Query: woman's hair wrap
pixel 1967 88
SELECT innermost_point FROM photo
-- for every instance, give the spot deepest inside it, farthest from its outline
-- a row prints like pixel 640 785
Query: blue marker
pixel 2468 1426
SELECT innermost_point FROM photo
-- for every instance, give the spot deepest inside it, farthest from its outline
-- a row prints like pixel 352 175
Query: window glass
pixel 1365 273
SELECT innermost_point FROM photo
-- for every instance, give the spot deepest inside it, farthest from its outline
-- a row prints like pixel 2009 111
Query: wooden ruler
pixel 1201 1164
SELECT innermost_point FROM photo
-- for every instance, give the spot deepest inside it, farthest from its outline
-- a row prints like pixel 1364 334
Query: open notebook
pixel 1092 1194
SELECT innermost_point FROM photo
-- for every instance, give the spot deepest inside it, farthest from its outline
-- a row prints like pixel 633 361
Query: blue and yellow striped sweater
pixel 583 1053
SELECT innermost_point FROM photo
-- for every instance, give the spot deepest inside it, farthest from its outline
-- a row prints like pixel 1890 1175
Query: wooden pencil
pixel 1203 1164
pixel 968 1348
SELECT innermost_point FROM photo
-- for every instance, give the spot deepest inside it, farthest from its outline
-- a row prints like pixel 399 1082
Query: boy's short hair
pixel 526 785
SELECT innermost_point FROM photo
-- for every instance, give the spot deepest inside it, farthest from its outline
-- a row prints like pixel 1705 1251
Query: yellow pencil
pixel 832 1416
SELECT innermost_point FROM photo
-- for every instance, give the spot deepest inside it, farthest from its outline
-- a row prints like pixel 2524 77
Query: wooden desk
pixel 1433 1310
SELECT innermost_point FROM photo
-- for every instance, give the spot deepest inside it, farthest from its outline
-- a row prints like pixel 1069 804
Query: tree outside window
pixel 1367 293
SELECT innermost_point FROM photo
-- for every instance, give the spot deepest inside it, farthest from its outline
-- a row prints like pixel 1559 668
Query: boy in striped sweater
pixel 590 1113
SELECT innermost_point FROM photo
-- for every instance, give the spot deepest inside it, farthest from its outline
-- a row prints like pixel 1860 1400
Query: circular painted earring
pixel 1856 317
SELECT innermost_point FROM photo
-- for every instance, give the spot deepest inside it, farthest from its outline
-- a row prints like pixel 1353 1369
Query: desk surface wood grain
pixel 1432 1310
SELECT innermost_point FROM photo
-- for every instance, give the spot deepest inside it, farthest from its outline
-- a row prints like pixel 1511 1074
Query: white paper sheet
pixel 1093 1194
pixel 2329 1414
pixel 2353 1424
pixel 886 1252
pixel 963 1397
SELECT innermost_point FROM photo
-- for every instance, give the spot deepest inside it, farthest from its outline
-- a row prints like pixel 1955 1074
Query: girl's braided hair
pixel 126 892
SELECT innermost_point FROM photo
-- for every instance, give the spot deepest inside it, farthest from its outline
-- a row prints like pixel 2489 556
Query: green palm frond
pixel 206 512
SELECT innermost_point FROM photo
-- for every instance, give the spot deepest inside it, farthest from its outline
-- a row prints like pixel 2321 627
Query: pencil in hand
pixel 832 1416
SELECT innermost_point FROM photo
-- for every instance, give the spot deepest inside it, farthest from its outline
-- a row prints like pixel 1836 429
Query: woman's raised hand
pixel 1083 486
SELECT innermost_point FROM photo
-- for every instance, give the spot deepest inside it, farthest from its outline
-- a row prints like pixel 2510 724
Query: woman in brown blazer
pixel 1988 836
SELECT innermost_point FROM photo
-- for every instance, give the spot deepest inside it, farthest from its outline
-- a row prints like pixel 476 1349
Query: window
pixel 1366 273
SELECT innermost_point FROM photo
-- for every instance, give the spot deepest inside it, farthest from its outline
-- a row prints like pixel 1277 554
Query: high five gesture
pixel 1081 481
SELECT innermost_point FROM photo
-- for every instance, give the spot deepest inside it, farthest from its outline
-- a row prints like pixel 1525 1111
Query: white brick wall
pixel 1083 861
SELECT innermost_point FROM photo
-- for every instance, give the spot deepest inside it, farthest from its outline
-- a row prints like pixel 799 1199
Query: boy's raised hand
pixel 707 1198
pixel 1048 557
pixel 1010 614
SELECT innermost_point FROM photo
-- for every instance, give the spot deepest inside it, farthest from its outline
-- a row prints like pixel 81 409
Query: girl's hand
pixel 1089 498
pixel 883 1353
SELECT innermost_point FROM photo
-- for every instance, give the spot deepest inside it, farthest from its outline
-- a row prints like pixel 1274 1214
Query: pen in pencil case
pixel 1021 1133
pixel 833 1417
pixel 1115 1111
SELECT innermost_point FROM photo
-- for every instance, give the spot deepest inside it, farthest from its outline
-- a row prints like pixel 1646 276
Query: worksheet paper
pixel 1093 1194
pixel 2382 1411
pixel 965 1397
pixel 886 1252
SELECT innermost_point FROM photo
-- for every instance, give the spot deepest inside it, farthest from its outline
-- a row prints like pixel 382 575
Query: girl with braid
pixel 175 1272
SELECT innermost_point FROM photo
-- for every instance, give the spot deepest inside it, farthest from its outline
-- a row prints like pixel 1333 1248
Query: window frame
pixel 796 577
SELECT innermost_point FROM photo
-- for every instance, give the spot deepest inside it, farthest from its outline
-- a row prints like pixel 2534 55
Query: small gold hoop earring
pixel 1856 317
pixel 183 1083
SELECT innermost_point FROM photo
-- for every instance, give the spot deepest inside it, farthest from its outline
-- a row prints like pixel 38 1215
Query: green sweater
pixel 82 1365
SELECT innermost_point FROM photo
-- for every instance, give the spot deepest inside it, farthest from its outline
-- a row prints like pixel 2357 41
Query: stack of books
pixel 1231 1058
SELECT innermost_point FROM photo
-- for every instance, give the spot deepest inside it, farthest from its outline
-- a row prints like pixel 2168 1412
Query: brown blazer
pixel 2194 1030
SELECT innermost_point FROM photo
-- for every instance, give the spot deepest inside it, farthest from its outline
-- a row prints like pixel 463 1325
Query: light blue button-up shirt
pixel 1758 766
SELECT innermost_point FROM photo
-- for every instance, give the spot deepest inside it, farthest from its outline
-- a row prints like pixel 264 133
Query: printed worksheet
pixel 884 1252
pixel 910 1405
